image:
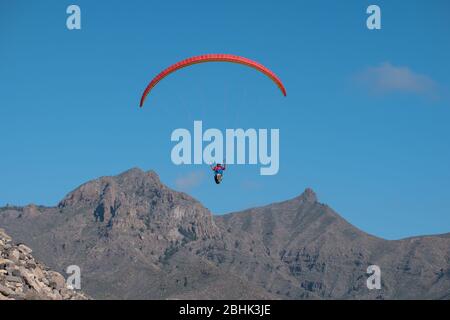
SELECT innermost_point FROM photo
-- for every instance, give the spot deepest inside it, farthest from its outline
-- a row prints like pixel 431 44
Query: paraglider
pixel 211 58
pixel 218 172
pixel 218 168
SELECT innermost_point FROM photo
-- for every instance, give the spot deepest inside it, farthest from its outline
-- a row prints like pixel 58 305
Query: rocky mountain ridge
pixel 134 237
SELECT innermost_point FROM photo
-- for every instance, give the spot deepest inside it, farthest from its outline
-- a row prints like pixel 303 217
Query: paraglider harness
pixel 218 172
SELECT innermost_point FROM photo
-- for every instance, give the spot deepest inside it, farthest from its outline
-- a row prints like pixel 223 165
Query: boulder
pixel 14 255
pixel 5 290
pixel 4 236
pixel 14 279
pixel 4 263
pixel 24 249
pixel 57 281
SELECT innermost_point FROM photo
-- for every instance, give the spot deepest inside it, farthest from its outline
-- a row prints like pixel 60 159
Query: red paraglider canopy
pixel 212 58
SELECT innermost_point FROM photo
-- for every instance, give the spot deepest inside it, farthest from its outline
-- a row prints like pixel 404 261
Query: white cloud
pixel 387 78
pixel 190 180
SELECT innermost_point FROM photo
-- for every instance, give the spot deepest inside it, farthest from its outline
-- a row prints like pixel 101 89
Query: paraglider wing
pixel 212 58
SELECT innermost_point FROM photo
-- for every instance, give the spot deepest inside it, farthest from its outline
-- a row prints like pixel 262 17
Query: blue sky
pixel 365 122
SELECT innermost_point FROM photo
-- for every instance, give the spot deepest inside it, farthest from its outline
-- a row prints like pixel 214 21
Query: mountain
pixel 135 238
pixel 323 256
pixel 22 277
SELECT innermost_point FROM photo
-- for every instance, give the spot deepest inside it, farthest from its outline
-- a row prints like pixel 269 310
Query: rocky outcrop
pixel 24 278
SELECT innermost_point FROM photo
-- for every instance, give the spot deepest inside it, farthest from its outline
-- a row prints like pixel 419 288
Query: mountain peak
pixel 132 181
pixel 137 172
pixel 132 171
pixel 138 200
pixel 308 196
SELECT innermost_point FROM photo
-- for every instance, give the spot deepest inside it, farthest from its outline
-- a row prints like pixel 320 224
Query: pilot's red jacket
pixel 218 168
